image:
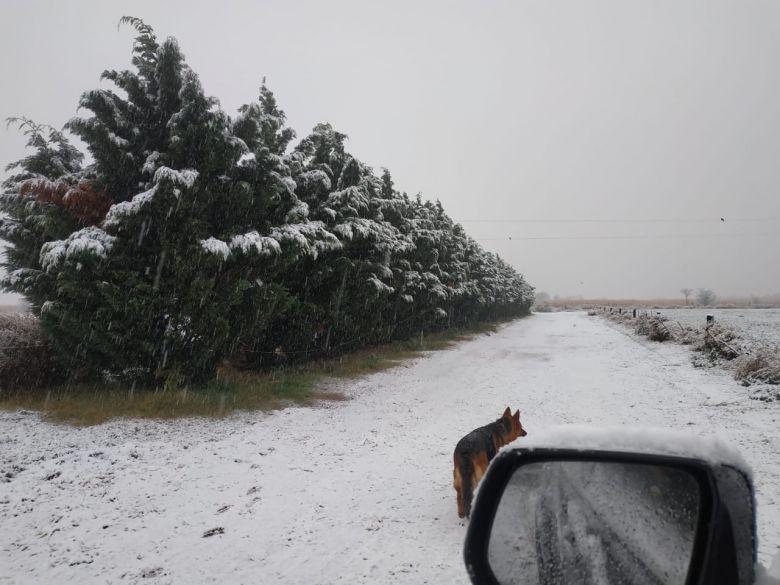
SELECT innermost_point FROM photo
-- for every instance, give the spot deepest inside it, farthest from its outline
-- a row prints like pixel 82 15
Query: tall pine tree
pixel 193 237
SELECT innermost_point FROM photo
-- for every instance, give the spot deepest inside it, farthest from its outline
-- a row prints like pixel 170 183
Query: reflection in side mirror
pixel 595 522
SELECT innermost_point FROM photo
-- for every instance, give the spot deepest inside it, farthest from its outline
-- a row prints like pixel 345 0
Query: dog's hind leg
pixel 480 465
pixel 464 473
pixel 457 483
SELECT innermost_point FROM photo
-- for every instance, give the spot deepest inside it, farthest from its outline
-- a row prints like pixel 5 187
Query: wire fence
pixel 660 321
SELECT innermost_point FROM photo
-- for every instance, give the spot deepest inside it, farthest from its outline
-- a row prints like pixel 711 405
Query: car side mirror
pixel 556 516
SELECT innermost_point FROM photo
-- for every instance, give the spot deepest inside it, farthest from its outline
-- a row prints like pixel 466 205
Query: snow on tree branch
pixel 91 241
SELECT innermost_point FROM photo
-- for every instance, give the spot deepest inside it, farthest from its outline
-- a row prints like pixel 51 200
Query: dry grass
pixel 233 390
pixel 760 368
pixel 719 342
pixel 625 303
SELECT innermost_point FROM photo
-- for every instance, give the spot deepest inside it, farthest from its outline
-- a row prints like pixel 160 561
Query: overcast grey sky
pixel 660 116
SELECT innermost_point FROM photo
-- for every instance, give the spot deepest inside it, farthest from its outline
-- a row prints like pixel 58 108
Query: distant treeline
pixel 194 236
pixel 756 302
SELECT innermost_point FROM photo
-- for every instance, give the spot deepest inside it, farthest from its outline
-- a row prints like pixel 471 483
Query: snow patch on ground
pixel 349 492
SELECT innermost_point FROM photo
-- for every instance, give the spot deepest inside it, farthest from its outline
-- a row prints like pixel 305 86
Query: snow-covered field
pixel 756 326
pixel 350 492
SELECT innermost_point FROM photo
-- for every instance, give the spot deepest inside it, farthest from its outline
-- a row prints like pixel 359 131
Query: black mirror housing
pixel 724 545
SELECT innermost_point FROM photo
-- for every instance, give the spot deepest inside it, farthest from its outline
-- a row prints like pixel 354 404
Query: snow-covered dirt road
pixel 350 492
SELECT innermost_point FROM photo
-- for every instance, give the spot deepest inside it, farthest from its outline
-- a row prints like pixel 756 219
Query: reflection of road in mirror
pixel 595 522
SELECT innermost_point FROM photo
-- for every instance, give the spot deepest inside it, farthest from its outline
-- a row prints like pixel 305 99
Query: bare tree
pixel 542 297
pixel 687 293
pixel 542 302
pixel 705 297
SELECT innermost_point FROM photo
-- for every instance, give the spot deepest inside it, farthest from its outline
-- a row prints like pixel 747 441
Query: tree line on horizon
pixel 194 236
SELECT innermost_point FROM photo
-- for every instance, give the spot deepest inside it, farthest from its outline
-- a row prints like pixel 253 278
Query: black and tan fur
pixel 474 452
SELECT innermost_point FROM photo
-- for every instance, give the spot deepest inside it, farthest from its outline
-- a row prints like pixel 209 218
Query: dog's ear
pixel 507 413
pixel 517 416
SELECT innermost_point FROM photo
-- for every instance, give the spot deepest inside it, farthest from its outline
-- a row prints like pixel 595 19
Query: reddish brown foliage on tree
pixel 44 190
pixel 84 201
pixel 87 202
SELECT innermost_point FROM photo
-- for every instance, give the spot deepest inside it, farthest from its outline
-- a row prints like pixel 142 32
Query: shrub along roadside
pixel 233 390
pixel 27 361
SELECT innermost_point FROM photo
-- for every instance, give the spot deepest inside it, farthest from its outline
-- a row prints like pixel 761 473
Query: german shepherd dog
pixel 474 451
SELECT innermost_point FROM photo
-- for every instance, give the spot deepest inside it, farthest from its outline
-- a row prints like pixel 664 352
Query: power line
pixel 634 237
pixel 626 220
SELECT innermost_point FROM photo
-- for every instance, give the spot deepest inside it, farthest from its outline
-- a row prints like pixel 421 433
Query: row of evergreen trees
pixel 193 236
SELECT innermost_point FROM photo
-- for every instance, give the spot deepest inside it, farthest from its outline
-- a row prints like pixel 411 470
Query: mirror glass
pixel 595 522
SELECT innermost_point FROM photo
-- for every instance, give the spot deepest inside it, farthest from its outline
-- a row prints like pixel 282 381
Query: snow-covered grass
pixel 760 327
pixel 358 491
pixel 234 390
pixel 745 343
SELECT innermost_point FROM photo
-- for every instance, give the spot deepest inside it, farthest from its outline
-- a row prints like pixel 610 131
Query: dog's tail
pixel 464 472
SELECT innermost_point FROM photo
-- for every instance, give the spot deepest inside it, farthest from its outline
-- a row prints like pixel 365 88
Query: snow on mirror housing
pixel 556 516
